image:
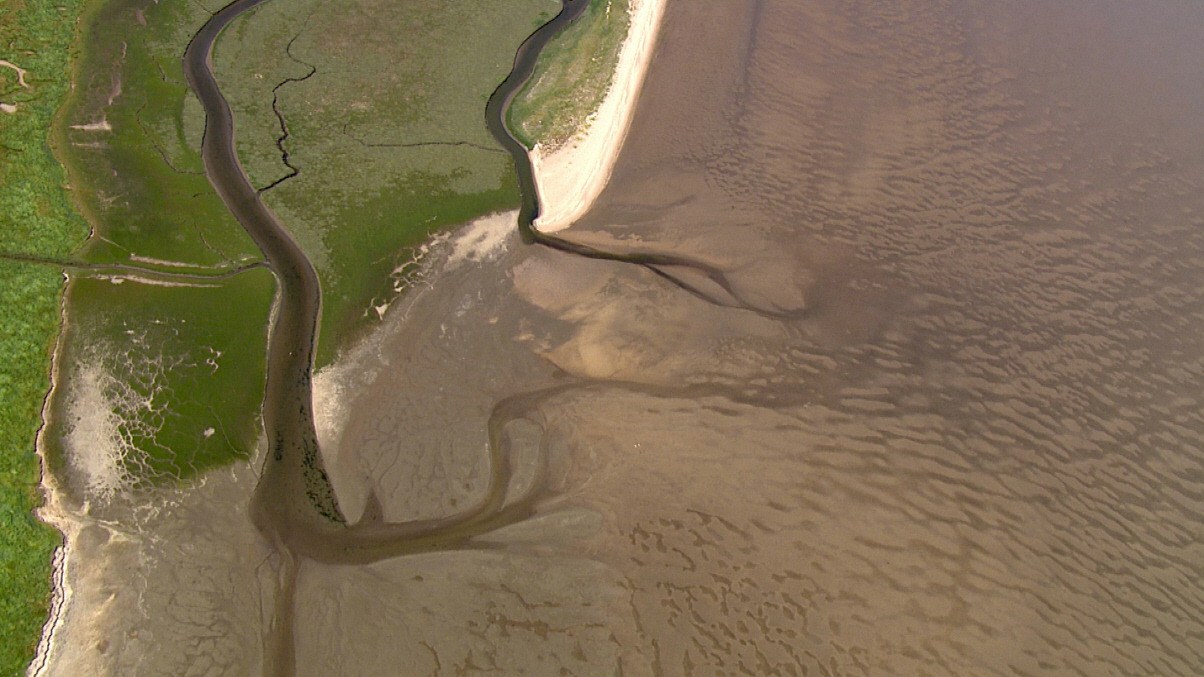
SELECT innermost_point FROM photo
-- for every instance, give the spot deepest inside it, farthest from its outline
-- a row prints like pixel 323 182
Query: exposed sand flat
pixel 101 126
pixel 478 244
pixel 168 582
pixel 483 239
pixel 570 178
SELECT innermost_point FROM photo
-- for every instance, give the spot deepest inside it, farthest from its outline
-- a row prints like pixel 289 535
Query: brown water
pixel 975 449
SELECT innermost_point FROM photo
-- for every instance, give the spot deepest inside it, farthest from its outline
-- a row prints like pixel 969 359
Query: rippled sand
pixel 964 438
pixel 977 451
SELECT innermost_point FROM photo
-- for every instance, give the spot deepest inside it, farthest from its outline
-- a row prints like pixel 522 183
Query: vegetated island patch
pixel 572 77
pixel 129 136
pixel 367 144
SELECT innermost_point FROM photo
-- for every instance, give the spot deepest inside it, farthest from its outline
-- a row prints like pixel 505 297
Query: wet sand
pixel 952 426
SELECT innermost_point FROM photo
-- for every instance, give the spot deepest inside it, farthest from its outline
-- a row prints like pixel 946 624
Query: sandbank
pixel 569 179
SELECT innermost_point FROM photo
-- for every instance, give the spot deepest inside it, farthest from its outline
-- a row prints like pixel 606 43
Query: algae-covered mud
pixel 879 353
pixel 362 124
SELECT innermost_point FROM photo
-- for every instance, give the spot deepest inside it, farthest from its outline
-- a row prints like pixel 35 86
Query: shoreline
pixel 53 511
pixel 569 179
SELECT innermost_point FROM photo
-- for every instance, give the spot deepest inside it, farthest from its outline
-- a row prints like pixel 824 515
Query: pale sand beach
pixel 570 178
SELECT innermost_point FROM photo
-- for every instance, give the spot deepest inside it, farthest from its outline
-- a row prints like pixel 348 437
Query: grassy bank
pixel 572 77
pixel 29 295
pixel 174 373
pixel 35 218
pixel 384 108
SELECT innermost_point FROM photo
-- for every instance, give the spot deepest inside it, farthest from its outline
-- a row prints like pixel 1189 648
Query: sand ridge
pixel 570 178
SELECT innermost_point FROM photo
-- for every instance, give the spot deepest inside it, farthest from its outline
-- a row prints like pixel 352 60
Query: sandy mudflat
pixel 976 452
pixel 570 178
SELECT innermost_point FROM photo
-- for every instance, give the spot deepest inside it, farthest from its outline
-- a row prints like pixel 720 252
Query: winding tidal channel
pixel 294 505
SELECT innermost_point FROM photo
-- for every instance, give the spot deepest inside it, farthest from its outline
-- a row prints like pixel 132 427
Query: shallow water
pixel 962 438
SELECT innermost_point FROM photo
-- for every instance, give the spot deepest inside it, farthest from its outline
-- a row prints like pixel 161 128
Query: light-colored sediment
pixel 6 107
pixel 570 178
pixel 21 72
pixel 101 126
pixel 483 239
pixel 57 516
pixel 478 242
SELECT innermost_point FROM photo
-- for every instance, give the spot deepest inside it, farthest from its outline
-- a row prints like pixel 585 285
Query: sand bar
pixel 570 178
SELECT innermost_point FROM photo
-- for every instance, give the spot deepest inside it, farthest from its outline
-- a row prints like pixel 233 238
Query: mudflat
pixel 965 445
pixel 942 416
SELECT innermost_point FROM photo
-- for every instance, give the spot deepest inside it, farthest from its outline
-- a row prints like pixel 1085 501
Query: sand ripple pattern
pixel 969 444
pixel 981 453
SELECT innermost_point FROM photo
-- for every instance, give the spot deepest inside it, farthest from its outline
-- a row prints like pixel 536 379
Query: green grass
pixel 35 214
pixel 572 77
pixel 35 218
pixel 141 183
pixel 129 136
pixel 388 74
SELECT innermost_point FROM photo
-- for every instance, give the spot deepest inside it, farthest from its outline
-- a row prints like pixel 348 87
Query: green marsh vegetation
pixel 161 378
pixel 383 104
pixel 129 136
pixel 572 77
pixel 35 218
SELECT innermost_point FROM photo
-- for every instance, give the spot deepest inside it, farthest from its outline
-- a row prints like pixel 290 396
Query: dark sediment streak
pixel 657 262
